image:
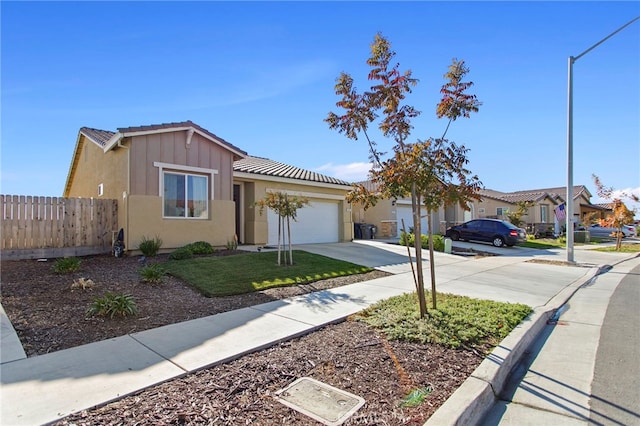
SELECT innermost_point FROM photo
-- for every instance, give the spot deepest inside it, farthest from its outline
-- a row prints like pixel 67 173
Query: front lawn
pixel 229 275
pixel 543 243
pixel 624 248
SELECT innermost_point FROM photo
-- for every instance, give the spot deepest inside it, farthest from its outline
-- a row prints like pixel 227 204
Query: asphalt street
pixel 615 393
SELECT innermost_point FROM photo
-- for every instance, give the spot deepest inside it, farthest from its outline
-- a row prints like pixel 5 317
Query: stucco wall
pixel 147 222
pixel 256 228
pixel 94 167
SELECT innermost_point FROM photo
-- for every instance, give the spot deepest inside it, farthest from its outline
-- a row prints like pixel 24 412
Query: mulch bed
pixel 49 316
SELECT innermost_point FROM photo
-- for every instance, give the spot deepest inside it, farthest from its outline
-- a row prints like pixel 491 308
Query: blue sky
pixel 261 76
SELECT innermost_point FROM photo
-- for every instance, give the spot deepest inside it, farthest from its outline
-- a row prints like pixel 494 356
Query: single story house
pixel 182 183
pixel 387 215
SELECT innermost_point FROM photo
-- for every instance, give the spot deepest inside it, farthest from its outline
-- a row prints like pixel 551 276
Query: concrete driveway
pixel 514 274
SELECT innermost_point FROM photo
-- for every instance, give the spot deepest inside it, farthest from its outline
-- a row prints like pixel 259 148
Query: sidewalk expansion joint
pixel 160 355
pixel 296 320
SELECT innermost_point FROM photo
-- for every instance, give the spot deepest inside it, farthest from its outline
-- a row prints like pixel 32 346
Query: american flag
pixel 560 212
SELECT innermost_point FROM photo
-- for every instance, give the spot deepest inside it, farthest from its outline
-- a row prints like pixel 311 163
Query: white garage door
pixel 315 223
pixel 404 212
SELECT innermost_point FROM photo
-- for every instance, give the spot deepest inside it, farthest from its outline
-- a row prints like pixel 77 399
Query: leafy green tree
pixel 432 172
pixel 286 207
pixel 516 217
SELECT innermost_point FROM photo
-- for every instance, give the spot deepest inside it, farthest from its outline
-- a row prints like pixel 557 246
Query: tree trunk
pixel 280 236
pixel 415 207
pixel 432 265
pixel 289 240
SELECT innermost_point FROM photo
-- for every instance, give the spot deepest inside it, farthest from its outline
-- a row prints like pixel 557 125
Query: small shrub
pixel 82 284
pixel 112 304
pixel 150 247
pixel 438 241
pixel 233 244
pixel 66 265
pixel 152 273
pixel 200 247
pixel 181 254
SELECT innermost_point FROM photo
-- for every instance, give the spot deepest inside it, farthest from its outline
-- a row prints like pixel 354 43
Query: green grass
pixel 624 248
pixel 458 321
pixel 229 275
pixel 550 243
pixel 542 243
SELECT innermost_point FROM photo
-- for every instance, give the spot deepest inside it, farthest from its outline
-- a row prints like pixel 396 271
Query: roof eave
pixel 72 166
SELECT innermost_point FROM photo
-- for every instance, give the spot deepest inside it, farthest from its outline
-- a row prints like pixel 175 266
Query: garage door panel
pixel 315 223
pixel 404 212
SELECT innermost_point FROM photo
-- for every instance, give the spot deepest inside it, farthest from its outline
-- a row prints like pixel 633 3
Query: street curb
pixel 472 401
pixel 10 346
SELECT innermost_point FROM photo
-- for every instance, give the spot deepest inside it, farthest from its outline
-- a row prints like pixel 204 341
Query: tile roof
pixel 533 195
pixel 266 167
pixel 562 191
pixel 514 197
pixel 101 137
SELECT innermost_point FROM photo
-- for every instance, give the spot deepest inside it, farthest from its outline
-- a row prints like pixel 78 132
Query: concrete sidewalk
pixel 43 389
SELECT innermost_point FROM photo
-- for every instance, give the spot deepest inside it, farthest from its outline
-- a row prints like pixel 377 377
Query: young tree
pixel 286 207
pixel 422 170
pixel 621 215
pixel 516 217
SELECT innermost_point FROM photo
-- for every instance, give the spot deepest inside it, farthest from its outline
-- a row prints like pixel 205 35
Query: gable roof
pixel 188 125
pixel 535 195
pixel 108 140
pixel 517 197
pixel 561 191
pixel 269 168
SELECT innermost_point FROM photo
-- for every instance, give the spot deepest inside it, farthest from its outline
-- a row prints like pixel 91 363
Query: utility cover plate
pixel 324 403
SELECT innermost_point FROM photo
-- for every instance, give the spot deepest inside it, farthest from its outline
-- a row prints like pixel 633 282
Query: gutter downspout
pixel 126 193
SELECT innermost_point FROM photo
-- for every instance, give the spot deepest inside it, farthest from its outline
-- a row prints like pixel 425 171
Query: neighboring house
pixel 182 183
pixel 541 215
pixel 387 215
pixel 326 219
pixel 539 218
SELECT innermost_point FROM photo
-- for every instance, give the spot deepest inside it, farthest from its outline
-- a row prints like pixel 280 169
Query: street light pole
pixel 569 200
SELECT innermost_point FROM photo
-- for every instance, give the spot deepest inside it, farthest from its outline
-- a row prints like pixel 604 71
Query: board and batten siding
pixel 172 148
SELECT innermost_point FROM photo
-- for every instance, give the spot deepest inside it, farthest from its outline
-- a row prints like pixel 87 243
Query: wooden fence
pixel 47 227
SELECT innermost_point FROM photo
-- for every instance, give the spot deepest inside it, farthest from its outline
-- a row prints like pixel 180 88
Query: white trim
pixel 100 189
pixel 181 168
pixel 307 194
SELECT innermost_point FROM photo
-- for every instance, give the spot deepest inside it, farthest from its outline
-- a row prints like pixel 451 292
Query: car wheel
pixel 455 236
pixel 498 241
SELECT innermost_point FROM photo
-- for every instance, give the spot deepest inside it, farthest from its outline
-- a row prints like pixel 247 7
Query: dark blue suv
pixel 497 232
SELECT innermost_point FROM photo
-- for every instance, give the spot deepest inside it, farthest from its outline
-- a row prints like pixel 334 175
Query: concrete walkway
pixel 45 388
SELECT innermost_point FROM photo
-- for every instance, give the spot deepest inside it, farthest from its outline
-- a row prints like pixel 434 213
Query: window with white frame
pixel 185 195
pixel 544 213
pixel 502 211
